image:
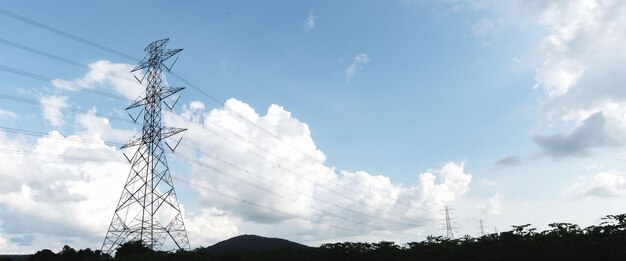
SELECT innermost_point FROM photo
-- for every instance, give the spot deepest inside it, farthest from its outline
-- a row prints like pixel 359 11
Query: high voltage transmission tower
pixel 148 209
pixel 482 229
pixel 449 229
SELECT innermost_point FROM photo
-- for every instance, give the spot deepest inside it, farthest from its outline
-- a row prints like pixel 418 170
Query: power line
pixel 212 98
pixel 62 156
pixel 82 65
pixel 39 52
pixel 43 134
pixel 52 56
pixel 206 94
pixel 288 188
pixel 49 79
pixel 51 29
pixel 257 205
pixel 198 186
pixel 269 133
pixel 65 107
pixel 304 177
pixel 71 62
pixel 190 84
pixel 56 57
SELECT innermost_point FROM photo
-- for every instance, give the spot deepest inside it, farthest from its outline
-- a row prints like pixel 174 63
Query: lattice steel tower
pixel 449 229
pixel 148 209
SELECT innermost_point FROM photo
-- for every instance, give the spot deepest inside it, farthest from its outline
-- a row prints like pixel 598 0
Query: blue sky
pixel 514 108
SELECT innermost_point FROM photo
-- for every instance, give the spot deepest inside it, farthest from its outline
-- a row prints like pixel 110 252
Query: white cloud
pixel 310 21
pixel 299 182
pixel 604 184
pixel 78 197
pixel 283 171
pixel 356 66
pixel 51 108
pixel 4 114
pixel 49 195
pixel 103 74
pixel 494 205
pixel 557 79
pixel 581 66
pixel 93 126
pixel 210 225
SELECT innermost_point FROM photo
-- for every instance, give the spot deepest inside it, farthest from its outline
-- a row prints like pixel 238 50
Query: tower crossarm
pixel 166 132
pixel 165 93
pixel 149 60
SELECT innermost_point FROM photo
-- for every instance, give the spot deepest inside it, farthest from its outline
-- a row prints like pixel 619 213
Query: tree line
pixel 562 241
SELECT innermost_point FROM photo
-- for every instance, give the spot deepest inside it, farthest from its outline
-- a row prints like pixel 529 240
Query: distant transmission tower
pixel 148 209
pixel 482 229
pixel 449 230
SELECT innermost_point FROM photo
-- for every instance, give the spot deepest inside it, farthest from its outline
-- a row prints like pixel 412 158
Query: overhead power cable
pixel 65 107
pixel 269 191
pixel 52 56
pixel 110 50
pixel 82 140
pixel 264 130
pixel 259 206
pixel 206 189
pixel 59 58
pixel 278 184
pixel 49 79
pixel 190 84
pixel 48 135
pixel 61 156
pixel 51 29
pixel 305 178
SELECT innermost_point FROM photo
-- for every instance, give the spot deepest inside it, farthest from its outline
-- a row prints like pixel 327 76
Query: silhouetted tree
pixel 132 248
pixel 43 255
pixel 561 241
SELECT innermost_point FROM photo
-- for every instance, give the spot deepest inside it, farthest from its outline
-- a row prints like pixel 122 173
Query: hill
pixel 252 243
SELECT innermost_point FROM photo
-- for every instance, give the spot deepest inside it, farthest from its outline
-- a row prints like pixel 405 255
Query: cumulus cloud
pixel 285 172
pixel 54 195
pixel 106 74
pixel 590 134
pixel 580 66
pixel 267 160
pixel 357 65
pixel 96 127
pixel 611 183
pixel 299 192
pixel 310 21
pixel 51 109
pixel 211 225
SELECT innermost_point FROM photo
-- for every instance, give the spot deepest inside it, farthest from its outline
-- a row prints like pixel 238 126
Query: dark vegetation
pixel 252 243
pixel 563 241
